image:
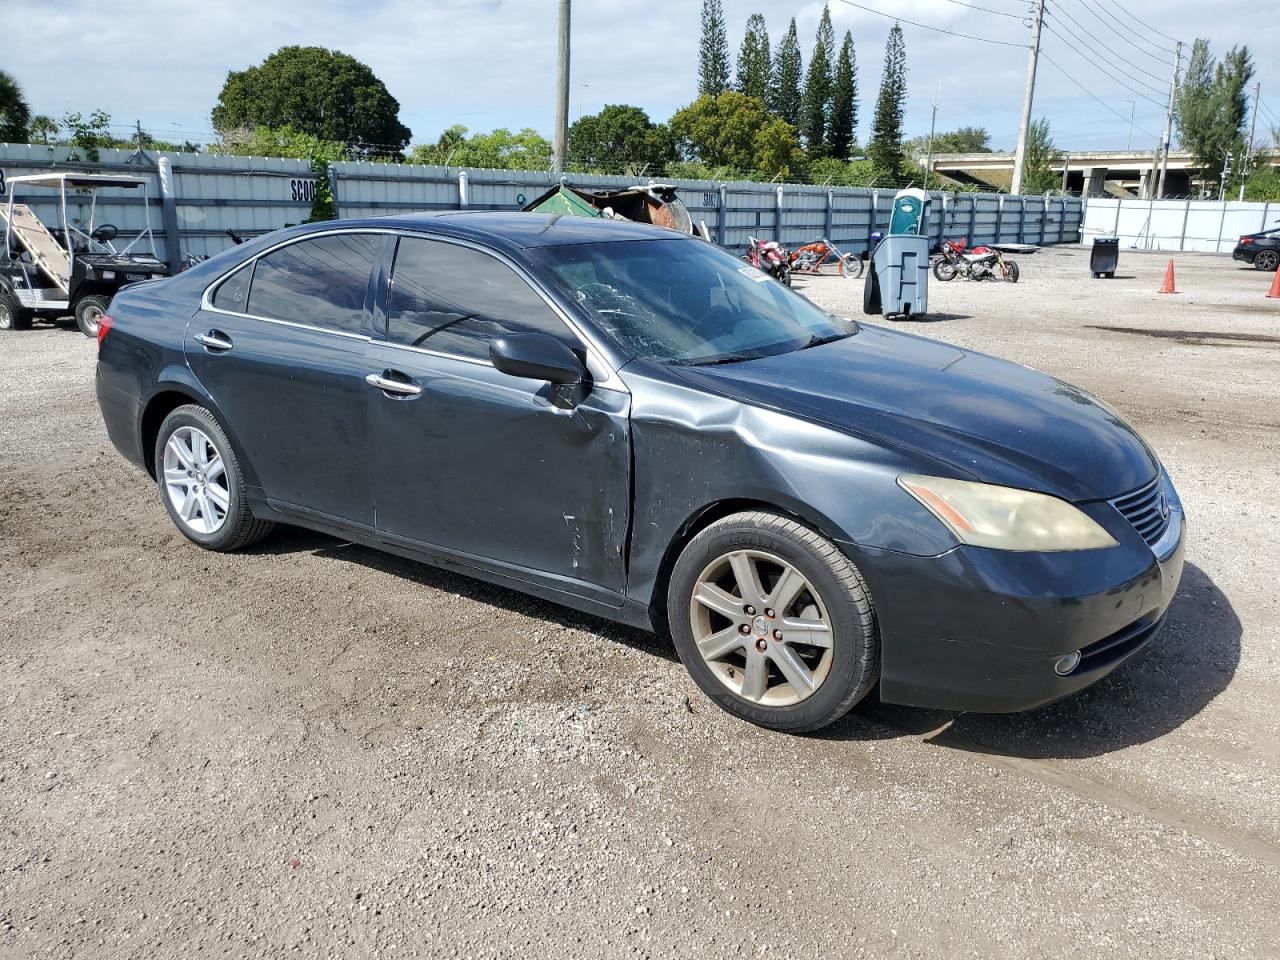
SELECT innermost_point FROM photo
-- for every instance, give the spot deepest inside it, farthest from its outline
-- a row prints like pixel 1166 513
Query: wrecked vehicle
pixel 638 425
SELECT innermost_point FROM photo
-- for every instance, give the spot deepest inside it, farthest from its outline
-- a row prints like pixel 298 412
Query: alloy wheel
pixel 761 627
pixel 195 480
pixel 1266 260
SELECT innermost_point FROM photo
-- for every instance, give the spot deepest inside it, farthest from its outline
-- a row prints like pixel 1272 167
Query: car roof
pixel 518 229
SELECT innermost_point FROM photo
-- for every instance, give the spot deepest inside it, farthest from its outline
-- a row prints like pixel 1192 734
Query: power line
pixel 998 13
pixel 1101 102
pixel 926 26
pixel 1076 24
pixel 1128 86
pixel 1143 24
pixel 1125 33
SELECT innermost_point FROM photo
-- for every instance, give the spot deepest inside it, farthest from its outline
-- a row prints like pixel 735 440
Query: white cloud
pixel 492 63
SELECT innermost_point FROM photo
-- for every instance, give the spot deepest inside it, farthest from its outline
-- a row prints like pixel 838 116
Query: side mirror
pixel 536 356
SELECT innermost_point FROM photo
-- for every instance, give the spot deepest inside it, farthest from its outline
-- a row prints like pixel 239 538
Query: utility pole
pixel 933 125
pixel 562 93
pixel 1033 60
pixel 1253 128
pixel 1128 144
pixel 1168 121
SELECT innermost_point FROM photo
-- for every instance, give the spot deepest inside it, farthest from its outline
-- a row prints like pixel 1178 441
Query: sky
pixel 491 63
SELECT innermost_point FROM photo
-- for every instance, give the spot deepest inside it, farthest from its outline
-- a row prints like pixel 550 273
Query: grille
pixel 1147 508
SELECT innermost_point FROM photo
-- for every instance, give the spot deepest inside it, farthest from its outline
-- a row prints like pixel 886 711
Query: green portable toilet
pixel 909 212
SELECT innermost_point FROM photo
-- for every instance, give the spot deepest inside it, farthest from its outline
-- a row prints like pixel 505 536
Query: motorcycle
pixel 770 257
pixel 813 256
pixel 980 263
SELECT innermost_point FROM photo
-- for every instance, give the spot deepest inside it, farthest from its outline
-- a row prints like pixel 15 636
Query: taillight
pixel 1245 241
pixel 104 325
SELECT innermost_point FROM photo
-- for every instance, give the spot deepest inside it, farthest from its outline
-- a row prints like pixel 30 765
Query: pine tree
pixel 713 56
pixel 1213 107
pixel 754 61
pixel 815 110
pixel 844 102
pixel 885 148
pixel 787 71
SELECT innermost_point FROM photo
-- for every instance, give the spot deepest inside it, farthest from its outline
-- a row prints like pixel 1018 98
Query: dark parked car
pixel 1260 249
pixel 637 424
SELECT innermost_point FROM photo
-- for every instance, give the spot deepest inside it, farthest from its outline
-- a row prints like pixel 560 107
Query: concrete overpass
pixel 1087 173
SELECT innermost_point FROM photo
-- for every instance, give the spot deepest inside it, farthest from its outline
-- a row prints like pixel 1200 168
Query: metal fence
pixel 200 196
pixel 1208 226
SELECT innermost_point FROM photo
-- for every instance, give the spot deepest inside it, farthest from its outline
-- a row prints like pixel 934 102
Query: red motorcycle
pixel 980 263
pixel 769 257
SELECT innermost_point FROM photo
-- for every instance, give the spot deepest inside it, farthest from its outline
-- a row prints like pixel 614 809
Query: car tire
pixel 763 676
pixel 13 316
pixel 1266 260
pixel 89 310
pixel 213 515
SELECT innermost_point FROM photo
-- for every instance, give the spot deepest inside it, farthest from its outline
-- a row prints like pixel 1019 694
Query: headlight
pixel 1005 518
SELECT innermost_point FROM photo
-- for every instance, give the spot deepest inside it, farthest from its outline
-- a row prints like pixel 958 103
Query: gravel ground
pixel 313 749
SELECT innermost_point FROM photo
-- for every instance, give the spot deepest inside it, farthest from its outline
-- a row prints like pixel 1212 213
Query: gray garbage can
pixel 897 284
pixel 1104 256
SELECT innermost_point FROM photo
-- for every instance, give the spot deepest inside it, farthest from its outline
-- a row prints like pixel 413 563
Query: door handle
pixel 215 341
pixel 388 385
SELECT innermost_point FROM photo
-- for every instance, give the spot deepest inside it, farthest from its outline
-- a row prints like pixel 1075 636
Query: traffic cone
pixel 1274 292
pixel 1167 286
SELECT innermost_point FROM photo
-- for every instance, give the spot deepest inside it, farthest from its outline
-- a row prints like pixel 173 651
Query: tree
pixel 620 139
pixel 960 140
pixel 754 64
pixel 320 92
pixel 885 149
pixel 735 131
pixel 713 55
pixel 1038 176
pixel 88 133
pixel 15 115
pixel 815 102
pixel 42 128
pixel 501 150
pixel 788 68
pixel 1213 106
pixel 844 102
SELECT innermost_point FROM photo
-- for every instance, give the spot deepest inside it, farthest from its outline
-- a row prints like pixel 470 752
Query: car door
pixel 506 470
pixel 280 346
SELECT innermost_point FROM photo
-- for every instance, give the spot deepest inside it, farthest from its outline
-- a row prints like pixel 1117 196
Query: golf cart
pixel 75 267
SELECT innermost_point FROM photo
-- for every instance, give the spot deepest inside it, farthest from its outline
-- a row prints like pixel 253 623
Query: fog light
pixel 1066 664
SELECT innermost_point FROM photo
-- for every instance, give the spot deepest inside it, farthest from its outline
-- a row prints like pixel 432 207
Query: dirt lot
pixel 315 750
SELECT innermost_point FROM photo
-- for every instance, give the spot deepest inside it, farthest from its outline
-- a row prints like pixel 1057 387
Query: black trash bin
pixel 1104 256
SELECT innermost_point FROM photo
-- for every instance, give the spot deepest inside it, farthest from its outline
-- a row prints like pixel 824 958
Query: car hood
pixel 989 419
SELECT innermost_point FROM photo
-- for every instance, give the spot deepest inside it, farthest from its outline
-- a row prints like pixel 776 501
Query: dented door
pixel 499 468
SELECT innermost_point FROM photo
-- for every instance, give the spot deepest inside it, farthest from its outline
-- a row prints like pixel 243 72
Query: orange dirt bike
pixel 812 257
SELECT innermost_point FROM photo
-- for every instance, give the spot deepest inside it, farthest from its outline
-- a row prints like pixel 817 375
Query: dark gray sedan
pixel 638 425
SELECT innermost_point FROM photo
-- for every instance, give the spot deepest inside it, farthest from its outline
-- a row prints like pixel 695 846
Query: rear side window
pixel 454 299
pixel 320 282
pixel 233 293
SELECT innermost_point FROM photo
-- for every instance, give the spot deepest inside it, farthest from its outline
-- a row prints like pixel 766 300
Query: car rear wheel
pixel 89 313
pixel 12 314
pixel 1267 260
pixel 773 622
pixel 201 484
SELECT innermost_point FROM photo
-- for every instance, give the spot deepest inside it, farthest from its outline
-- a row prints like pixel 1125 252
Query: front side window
pixel 453 299
pixel 686 301
pixel 320 282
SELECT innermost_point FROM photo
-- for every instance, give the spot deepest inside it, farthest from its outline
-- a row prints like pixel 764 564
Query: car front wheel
pixel 1267 260
pixel 773 622
pixel 201 484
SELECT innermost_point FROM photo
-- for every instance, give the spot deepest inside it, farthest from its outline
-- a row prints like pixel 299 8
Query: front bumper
pixel 981 630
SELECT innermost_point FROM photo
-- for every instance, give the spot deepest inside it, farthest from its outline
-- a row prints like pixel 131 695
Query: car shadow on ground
pixel 286 540
pixel 1172 679
pixel 1177 675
